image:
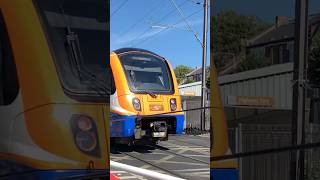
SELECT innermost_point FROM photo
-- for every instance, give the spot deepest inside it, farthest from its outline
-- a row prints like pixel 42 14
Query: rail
pixel 142 172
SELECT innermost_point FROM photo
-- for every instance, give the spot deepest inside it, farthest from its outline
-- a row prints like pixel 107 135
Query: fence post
pixel 184 104
pixel 311 150
pixel 239 148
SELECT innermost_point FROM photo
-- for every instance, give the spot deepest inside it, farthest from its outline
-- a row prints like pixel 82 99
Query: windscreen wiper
pixel 150 93
pixel 74 46
pixel 132 76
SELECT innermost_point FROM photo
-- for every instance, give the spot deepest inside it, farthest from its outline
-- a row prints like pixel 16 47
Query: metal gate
pixel 193 117
pixel 264 167
pixel 275 166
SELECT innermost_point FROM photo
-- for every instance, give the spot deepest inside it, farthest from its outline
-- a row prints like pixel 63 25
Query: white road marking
pixel 164 159
pixel 186 170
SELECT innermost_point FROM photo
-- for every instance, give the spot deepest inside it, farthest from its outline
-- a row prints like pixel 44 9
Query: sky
pixel 266 10
pixel 157 26
pixel 144 24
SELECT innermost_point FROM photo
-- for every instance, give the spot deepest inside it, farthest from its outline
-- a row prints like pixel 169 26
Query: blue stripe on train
pixel 13 170
pixel 123 126
pixel 76 174
pixel 224 174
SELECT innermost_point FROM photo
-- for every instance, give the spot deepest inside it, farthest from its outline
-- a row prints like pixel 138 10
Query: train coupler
pixel 159 129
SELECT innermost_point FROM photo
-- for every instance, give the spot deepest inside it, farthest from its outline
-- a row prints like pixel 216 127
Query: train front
pixel 54 125
pixel 146 104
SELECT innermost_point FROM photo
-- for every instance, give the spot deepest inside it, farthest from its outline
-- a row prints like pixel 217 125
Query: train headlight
pixel 136 104
pixel 84 123
pixel 86 141
pixel 173 104
pixel 85 134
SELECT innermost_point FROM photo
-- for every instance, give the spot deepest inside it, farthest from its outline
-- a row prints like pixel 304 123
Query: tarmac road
pixel 184 156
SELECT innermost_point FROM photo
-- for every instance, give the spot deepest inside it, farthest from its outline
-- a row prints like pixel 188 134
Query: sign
pixel 188 93
pixel 156 107
pixel 259 101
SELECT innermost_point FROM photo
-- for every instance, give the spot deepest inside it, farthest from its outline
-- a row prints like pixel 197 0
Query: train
pixel 54 89
pixel 219 141
pixel 146 105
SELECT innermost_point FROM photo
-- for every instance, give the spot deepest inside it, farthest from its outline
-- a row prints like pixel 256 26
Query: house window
pixel 290 51
pixel 285 54
pixel 9 86
pixel 267 52
pixel 276 54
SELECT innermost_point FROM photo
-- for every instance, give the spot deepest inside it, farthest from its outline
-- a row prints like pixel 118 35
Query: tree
pixel 314 60
pixel 230 33
pixel 181 71
pixel 253 62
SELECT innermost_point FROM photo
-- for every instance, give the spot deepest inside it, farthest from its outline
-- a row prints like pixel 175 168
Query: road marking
pixel 117 158
pixel 186 170
pixel 197 155
pixel 199 174
pixel 127 175
pixel 164 159
pixel 178 152
pixel 180 162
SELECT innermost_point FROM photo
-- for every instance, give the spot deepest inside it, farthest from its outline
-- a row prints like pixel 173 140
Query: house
pixel 276 44
pixel 196 75
pixel 190 91
pixel 258 103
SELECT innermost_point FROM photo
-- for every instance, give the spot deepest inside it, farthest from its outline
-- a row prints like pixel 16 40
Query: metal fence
pixel 313 156
pixel 276 166
pixel 192 118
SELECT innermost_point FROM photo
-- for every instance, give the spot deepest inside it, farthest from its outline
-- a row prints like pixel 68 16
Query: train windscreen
pixel 80 44
pixel 147 73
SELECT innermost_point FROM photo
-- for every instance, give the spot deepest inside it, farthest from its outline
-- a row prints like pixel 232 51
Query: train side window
pixel 111 81
pixel 9 86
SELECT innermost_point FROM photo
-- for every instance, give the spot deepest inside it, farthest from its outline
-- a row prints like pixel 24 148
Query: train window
pixel 9 86
pixel 79 42
pixel 147 73
pixel 112 83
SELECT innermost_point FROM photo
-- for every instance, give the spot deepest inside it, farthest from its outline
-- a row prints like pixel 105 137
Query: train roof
pixel 123 50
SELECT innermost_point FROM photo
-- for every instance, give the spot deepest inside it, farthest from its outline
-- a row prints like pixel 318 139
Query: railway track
pixel 196 144
pixel 154 165
pixel 171 158
pixel 164 149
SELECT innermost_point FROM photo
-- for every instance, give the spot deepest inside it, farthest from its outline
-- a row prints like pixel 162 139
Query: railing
pixel 143 172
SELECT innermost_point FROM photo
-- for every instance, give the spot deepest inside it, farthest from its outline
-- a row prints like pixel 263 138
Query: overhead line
pixel 144 17
pixel 121 5
pixel 196 2
pixel 186 21
pixel 181 20
pixel 165 16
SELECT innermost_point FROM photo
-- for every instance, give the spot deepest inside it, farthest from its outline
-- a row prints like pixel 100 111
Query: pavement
pixel 184 156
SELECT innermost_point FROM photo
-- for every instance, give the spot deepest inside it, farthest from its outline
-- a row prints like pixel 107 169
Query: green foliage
pixel 253 62
pixel 314 60
pixel 231 32
pixel 208 82
pixel 181 71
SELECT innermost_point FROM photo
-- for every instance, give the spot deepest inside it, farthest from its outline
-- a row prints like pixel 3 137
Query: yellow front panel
pixel 46 108
pixel 125 96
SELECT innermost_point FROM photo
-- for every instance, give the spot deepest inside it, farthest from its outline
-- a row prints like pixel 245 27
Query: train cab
pixel 146 104
pixel 54 89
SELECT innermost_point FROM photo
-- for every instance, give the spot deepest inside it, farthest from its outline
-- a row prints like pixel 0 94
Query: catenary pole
pixel 299 75
pixel 204 62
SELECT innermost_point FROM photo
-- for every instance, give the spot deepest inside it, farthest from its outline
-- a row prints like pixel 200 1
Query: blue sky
pixel 131 26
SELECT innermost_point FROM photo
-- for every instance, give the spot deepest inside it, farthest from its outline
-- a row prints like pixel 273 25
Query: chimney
pixel 281 20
